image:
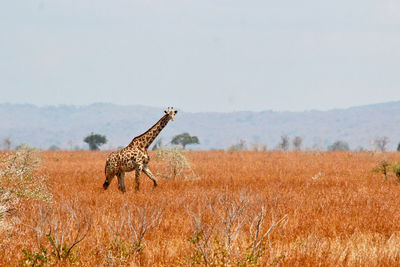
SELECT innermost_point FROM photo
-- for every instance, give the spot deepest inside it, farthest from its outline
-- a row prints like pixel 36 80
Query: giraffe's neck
pixel 144 140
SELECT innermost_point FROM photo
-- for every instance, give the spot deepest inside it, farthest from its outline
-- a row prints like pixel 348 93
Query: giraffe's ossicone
pixel 135 157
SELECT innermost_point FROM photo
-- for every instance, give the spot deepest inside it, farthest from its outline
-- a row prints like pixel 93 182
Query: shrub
pixel 259 148
pixel 19 181
pixel 230 230
pixel 240 146
pixel 176 164
pixel 383 167
pixel 58 232
pixel 130 231
pixel 396 169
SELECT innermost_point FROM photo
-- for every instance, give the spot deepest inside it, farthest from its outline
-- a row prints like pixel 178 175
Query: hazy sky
pixel 202 55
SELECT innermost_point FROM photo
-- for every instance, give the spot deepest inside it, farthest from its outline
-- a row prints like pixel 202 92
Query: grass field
pixel 241 208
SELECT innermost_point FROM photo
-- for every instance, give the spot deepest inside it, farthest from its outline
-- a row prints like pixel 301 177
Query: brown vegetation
pixel 245 208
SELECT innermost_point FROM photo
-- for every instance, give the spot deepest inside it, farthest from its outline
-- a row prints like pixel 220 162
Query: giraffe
pixel 135 157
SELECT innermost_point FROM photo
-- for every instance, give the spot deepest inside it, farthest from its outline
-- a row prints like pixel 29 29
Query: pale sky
pixel 202 55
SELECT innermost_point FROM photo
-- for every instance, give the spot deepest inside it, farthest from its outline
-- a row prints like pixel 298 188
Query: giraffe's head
pixel 171 113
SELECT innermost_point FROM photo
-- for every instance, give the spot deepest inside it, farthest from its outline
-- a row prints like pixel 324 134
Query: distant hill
pixel 66 126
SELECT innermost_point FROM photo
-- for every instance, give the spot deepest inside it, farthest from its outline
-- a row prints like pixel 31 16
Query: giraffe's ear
pixel 165 112
pixel 176 111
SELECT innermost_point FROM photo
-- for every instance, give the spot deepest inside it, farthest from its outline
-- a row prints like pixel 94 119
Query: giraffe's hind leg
pixel 121 182
pixel 151 176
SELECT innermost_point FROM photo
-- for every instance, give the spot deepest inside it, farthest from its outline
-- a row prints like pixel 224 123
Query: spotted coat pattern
pixel 135 157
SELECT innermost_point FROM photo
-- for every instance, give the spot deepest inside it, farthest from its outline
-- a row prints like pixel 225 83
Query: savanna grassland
pixel 234 208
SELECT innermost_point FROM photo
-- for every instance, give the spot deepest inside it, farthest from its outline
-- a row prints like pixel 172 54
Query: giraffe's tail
pixel 108 173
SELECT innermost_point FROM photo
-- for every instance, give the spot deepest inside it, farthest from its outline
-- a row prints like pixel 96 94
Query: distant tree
pixel 95 141
pixel 398 147
pixel 297 142
pixel 7 143
pixel 359 149
pixel 54 148
pixel 317 146
pixel 339 146
pixel 241 145
pixel 184 139
pixel 258 147
pixel 157 144
pixel 380 143
pixel 284 144
pixel 70 144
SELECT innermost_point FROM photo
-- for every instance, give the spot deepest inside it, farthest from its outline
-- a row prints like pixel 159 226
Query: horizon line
pixel 232 111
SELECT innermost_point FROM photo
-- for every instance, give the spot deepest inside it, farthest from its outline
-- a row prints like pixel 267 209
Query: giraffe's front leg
pixel 151 176
pixel 121 182
pixel 137 181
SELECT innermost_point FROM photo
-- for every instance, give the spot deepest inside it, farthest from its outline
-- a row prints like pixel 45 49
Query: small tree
pixel 339 146
pixel 7 143
pixel 398 147
pixel 184 139
pixel 297 141
pixel 380 143
pixel 239 146
pixel 95 141
pixel 54 148
pixel 284 144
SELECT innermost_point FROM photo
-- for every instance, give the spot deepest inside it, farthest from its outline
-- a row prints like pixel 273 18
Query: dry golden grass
pixel 339 212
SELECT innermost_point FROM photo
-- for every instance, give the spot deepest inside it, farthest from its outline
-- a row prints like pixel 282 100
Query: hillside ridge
pixel 66 125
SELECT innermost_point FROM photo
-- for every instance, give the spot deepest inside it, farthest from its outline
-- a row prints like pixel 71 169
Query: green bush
pixel 19 181
pixel 396 169
pixel 385 167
